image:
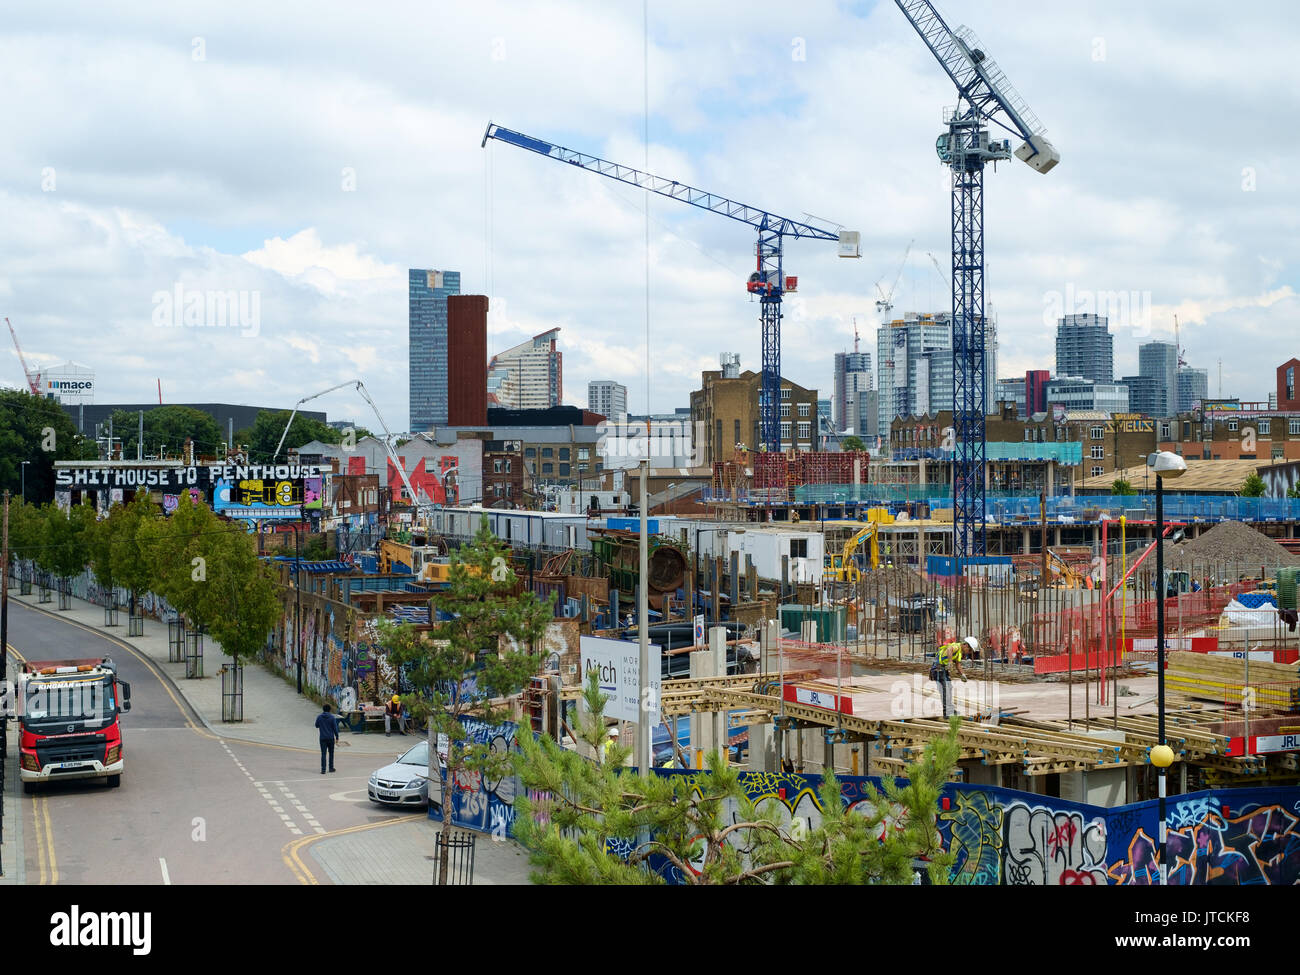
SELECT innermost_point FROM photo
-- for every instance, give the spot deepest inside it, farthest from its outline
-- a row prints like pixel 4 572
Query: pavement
pixel 396 851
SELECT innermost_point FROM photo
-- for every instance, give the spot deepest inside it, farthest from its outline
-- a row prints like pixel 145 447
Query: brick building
pixel 725 409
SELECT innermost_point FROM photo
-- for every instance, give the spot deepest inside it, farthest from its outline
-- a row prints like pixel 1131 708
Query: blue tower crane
pixel 984 96
pixel 767 281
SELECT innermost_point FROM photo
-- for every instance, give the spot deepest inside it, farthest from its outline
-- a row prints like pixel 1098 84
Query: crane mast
pixel 767 282
pixel 984 96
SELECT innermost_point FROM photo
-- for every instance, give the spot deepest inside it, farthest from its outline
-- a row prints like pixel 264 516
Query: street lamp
pixel 24 476
pixel 1164 464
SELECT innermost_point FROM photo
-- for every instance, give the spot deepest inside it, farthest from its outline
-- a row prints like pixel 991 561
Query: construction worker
pixel 947 659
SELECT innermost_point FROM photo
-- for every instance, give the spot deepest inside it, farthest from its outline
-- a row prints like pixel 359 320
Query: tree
pixel 170 427
pixel 1253 486
pixel 131 568
pixel 852 442
pixel 38 431
pixel 177 560
pixel 238 598
pixel 1293 492
pixel 468 664
pixel 26 530
pixel 1121 487
pixel 707 828
pixel 66 537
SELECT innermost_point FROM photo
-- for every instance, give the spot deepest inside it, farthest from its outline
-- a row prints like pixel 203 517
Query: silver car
pixel 405 782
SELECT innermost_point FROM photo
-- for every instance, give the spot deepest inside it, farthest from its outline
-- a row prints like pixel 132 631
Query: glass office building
pixel 427 330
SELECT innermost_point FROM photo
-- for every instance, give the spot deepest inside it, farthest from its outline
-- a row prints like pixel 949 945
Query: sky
pixel 158 157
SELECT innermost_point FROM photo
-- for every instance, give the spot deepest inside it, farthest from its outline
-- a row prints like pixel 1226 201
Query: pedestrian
pixel 328 726
pixel 948 657
pixel 393 709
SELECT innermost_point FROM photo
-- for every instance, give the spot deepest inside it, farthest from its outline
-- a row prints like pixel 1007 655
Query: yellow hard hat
pixel 396 698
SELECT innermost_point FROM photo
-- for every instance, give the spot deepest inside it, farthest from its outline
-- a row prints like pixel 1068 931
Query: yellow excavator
pixel 843 568
pixel 1068 577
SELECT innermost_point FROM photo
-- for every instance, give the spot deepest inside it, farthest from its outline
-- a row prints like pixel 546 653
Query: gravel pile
pixel 1230 542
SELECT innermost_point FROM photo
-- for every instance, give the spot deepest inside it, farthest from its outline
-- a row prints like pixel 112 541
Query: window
pixel 1293 427
pixel 1029 434
pixel 1232 423
pixel 507 465
pixel 785 393
pixel 785 431
pixel 1096 472
pixel 548 451
pixel 805 409
pixel 1265 426
pixel 564 470
pixel 805 430
pixel 735 431
pixel 530 452
pixel 496 467
pixel 548 468
pixel 1096 433
pixel 1098 452
pixel 1290 384
pixel 1279 453
pixel 1187 429
pixel 584 453
pixel 1165 432
pixel 785 409
pixel 798 548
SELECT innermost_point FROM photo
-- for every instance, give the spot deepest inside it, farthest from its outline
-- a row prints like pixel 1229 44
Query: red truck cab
pixel 69 715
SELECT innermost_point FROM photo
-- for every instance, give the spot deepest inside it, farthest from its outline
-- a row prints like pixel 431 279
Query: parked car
pixel 405 782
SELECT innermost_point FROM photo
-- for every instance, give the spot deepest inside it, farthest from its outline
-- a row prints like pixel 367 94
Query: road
pixel 192 808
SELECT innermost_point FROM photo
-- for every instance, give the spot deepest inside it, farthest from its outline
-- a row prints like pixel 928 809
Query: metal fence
pixel 232 693
pixel 454 858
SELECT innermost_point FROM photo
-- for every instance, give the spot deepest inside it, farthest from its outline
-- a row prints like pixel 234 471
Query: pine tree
pixel 469 663
pixel 600 824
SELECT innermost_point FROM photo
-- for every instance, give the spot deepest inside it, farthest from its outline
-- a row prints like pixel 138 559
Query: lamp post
pixel 1164 464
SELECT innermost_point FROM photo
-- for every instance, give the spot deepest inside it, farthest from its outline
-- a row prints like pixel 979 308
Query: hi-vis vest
pixel 948 653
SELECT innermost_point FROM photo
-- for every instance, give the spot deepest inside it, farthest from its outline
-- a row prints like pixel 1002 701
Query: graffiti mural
pixel 1042 846
pixel 975 830
pixel 479 803
pixel 1259 844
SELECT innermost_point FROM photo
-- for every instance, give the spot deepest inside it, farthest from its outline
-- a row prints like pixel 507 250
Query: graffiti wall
pixel 480 803
pixel 999 836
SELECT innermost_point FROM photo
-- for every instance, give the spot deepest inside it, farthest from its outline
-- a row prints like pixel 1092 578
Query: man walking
pixel 949 657
pixel 328 726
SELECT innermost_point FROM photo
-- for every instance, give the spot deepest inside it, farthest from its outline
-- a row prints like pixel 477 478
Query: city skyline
pixel 323 220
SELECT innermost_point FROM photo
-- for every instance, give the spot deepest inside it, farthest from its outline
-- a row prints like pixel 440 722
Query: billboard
pixel 618 663
pixel 69 383
pixel 266 498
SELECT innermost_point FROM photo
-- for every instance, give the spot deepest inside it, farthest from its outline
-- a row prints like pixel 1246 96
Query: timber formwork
pixel 1035 747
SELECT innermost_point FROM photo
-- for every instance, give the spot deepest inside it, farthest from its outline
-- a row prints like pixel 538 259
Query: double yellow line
pixel 46 861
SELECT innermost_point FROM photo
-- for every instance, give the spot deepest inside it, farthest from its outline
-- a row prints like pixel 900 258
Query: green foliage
pixel 1253 486
pixel 36 430
pixel 708 828
pixel 237 600
pixel 26 529
pixel 131 568
pixel 170 427
pixel 852 442
pixel 175 549
pixel 1122 487
pixel 1293 492
pixel 490 638
pixel 65 539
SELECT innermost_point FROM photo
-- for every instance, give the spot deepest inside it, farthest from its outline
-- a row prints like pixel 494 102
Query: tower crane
pixel 767 282
pixel 984 96
pixel 885 300
pixel 33 378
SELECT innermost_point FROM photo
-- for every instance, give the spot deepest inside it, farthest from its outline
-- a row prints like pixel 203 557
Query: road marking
pixel 167 880
pixel 361 796
pixel 292 850
pixel 40 839
pixel 44 808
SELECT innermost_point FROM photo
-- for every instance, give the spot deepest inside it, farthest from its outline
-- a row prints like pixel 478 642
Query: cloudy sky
pixel 304 156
